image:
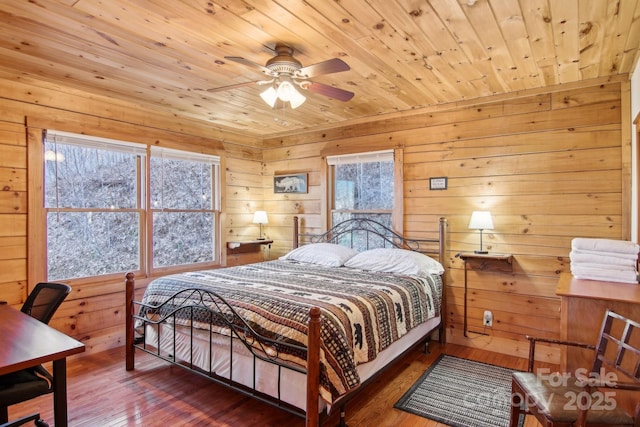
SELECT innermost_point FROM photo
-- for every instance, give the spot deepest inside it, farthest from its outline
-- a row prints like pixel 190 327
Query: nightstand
pixel 247 252
pixel 483 260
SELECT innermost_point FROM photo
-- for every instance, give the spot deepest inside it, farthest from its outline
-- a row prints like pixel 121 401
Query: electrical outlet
pixel 488 318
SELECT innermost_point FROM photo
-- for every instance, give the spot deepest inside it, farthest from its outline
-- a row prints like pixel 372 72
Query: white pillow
pixel 394 260
pixel 329 254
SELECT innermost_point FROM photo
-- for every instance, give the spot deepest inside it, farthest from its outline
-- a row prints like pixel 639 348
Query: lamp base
pixel 481 252
pixel 261 238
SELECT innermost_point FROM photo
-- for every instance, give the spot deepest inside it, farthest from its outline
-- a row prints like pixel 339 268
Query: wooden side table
pixel 247 252
pixel 484 261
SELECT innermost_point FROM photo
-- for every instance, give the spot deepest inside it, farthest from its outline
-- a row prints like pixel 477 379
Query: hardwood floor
pixel 102 393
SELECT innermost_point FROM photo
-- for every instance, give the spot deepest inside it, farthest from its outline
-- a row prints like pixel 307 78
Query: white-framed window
pixel 362 186
pixel 112 206
pixel 183 205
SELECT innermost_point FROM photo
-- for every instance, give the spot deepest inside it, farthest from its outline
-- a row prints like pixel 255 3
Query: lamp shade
pixel 260 217
pixel 481 220
pixel 270 96
pixel 286 91
pixel 297 99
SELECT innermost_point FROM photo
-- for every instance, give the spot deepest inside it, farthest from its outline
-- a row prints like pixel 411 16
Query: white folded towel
pixel 605 268
pixel 605 245
pixel 578 256
pixel 581 272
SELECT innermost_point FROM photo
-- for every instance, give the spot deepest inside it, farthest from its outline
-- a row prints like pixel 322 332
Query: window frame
pixel 37 216
pixel 215 209
pixel 328 183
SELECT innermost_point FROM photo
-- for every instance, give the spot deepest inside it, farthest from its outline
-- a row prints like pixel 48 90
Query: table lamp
pixel 260 217
pixel 481 220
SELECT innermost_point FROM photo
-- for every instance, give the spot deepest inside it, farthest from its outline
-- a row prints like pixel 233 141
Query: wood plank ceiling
pixel 403 54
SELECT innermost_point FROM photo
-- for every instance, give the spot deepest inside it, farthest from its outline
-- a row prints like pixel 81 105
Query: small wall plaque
pixel 438 183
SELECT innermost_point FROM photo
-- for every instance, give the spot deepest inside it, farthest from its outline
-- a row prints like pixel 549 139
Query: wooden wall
pixel 94 312
pixel 549 164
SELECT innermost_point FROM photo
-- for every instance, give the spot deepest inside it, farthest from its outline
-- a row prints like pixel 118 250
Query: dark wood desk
pixel 27 342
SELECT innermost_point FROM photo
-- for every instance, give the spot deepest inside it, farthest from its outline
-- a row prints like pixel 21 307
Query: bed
pixel 304 332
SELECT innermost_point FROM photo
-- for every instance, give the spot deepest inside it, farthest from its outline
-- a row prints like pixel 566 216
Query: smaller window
pixel 363 186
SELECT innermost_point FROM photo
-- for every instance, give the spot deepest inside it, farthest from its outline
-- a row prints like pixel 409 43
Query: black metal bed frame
pixel 193 303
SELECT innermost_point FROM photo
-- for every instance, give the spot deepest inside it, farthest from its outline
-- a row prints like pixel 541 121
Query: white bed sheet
pixel 293 386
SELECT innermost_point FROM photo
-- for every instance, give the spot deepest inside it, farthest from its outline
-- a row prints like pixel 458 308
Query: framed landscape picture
pixel 291 183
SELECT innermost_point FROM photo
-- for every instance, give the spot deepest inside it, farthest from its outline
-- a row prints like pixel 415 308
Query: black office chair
pixel 29 383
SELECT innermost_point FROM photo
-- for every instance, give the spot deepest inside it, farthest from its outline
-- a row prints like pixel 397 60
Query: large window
pixel 362 186
pixel 97 213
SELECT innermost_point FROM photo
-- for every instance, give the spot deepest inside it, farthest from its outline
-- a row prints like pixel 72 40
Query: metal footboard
pixel 216 318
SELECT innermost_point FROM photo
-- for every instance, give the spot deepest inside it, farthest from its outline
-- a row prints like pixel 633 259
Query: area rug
pixel 461 393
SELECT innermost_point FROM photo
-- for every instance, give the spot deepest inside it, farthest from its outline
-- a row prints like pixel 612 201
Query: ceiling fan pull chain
pixel 284 118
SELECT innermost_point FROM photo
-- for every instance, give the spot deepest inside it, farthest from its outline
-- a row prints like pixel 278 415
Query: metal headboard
pixel 363 234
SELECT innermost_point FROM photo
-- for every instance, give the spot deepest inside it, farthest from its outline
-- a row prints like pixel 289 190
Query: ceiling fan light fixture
pixel 297 99
pixel 270 96
pixel 285 92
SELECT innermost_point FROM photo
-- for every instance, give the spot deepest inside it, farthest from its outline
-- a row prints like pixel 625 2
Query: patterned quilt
pixel 363 313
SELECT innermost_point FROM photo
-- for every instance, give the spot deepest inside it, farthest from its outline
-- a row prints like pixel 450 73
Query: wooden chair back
pixel 618 346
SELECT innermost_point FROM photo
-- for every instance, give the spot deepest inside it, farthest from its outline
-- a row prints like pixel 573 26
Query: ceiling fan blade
pixel 223 88
pixel 250 64
pixel 330 91
pixel 334 65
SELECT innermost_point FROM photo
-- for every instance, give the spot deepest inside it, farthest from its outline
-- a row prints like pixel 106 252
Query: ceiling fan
pixel 287 73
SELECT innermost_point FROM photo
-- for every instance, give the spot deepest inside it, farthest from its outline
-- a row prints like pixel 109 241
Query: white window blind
pixel 369 157
pixel 60 137
pixel 185 155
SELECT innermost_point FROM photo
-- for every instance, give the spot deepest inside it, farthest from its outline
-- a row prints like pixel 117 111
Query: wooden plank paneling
pixel 13 270
pixel 13 210
pixel 550 165
pixel 554 169
pixel 13 225
pixel 403 55
pixel 14 293
pixel 14 247
pixel 594 181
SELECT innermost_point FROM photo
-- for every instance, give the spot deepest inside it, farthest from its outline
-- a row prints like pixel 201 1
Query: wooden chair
pixel 589 399
pixel 29 383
